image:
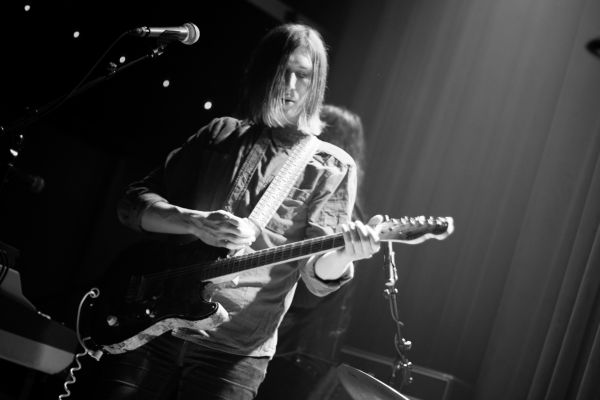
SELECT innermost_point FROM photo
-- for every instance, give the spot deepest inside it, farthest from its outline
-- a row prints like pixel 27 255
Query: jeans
pixel 168 368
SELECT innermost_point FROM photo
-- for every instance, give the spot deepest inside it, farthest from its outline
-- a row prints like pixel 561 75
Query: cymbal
pixel 362 386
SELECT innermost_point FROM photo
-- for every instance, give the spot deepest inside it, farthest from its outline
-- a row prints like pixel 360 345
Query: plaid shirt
pixel 199 175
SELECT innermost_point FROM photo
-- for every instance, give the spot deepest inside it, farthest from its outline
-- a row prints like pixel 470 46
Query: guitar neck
pixel 274 255
pixel 405 230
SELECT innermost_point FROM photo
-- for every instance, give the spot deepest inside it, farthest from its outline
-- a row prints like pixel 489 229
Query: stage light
pixel 122 59
pixel 27 7
pixel 166 83
pixel 76 34
pixel 208 105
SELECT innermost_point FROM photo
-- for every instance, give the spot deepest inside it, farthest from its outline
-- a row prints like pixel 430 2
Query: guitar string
pixel 257 258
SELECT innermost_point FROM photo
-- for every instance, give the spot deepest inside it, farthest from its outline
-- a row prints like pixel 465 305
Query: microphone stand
pixel 113 69
pixel 11 136
pixel 401 363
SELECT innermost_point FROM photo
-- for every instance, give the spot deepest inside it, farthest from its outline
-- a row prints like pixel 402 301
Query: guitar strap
pixel 282 183
pixel 280 186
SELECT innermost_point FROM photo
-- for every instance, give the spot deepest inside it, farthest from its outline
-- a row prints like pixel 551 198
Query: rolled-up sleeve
pixel 162 183
pixel 138 197
pixel 331 206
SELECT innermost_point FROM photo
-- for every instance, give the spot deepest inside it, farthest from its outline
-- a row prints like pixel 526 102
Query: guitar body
pixel 140 299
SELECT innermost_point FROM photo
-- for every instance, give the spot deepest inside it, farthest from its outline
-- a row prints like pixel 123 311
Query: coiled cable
pixel 93 293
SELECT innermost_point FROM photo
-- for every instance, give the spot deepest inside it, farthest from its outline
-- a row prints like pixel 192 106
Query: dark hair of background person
pixel 344 129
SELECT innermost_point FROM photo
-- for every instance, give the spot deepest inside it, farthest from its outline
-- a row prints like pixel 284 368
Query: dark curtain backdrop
pixel 487 111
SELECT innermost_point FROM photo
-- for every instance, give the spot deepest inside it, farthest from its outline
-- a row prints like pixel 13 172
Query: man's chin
pixel 292 114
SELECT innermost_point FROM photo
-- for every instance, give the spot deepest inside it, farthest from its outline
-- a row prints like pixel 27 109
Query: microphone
pixel 187 33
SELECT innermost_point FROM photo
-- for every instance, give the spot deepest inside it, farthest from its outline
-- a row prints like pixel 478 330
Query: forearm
pixel 216 228
pixel 332 265
pixel 163 217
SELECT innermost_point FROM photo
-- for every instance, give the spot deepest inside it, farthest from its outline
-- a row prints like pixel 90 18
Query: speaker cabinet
pixel 427 384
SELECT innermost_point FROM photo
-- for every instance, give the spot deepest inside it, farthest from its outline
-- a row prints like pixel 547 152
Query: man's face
pixel 298 75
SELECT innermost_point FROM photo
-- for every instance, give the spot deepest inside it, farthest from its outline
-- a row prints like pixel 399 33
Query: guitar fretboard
pixel 260 258
pixel 408 230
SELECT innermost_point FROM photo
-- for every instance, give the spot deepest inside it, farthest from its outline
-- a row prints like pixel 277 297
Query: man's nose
pixel 291 81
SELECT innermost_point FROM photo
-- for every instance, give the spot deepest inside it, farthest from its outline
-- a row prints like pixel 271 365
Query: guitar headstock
pixel 414 230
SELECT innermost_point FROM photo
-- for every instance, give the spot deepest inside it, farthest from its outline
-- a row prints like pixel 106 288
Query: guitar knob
pixel 111 320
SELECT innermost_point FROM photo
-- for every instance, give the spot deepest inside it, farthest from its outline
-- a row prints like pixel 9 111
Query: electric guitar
pixel 133 307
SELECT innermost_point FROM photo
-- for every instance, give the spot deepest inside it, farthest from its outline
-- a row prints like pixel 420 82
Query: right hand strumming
pixel 222 229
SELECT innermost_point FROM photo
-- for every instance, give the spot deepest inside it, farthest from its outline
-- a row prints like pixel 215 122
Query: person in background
pixel 344 128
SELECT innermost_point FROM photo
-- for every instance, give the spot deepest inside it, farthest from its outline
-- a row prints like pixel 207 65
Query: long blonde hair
pixel 264 80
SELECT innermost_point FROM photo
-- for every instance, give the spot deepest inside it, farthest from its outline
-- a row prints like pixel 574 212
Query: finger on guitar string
pixel 230 245
pixel 370 238
pixel 349 233
pixel 218 225
pixel 374 239
pixel 233 240
pixel 355 237
pixel 364 239
pixel 361 241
